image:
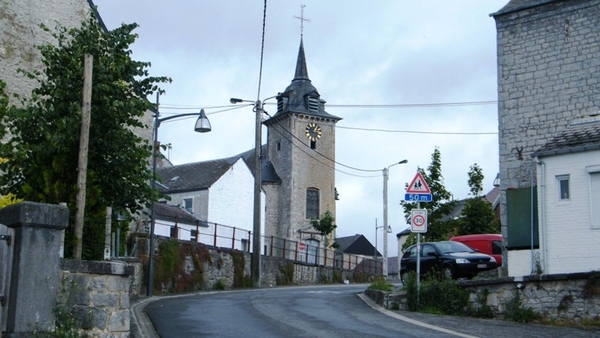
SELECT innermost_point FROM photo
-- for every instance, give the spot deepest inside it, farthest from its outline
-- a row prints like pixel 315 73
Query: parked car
pixel 454 259
pixel 490 244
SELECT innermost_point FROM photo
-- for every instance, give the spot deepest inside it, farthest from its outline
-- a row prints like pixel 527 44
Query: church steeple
pixel 301 96
pixel 301 69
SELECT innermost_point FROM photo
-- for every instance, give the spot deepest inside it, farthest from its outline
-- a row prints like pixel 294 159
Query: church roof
pixel 357 244
pixel 581 135
pixel 518 5
pixel 301 96
pixel 267 170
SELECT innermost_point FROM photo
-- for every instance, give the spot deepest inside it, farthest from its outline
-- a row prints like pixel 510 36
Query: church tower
pixel 301 149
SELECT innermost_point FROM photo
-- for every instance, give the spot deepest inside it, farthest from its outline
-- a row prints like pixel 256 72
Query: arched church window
pixel 312 203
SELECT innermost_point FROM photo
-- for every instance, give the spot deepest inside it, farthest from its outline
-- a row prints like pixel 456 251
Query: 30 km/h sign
pixel 418 220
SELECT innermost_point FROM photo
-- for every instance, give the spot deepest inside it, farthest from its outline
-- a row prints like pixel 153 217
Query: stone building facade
pixel 21 33
pixel 548 66
pixel 301 150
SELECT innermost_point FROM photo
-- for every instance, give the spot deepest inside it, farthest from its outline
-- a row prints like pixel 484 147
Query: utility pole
pixel 86 112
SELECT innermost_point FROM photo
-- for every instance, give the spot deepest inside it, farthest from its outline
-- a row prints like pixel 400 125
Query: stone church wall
pixel 21 34
pixel 548 70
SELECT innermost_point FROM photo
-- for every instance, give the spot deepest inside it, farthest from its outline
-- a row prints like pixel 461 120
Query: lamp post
pixel 256 233
pixel 202 126
pixel 387 227
pixel 375 254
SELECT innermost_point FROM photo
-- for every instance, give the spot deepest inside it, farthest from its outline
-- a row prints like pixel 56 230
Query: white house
pixel 218 192
pixel 568 190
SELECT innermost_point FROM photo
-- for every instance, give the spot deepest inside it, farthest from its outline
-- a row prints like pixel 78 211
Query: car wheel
pixel 448 272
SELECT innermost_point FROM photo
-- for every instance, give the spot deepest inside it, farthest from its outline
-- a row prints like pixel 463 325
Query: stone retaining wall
pixel 570 297
pixel 95 296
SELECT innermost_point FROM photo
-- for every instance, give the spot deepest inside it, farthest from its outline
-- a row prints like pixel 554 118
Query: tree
pixel 325 225
pixel 440 206
pixel 477 214
pixel 42 152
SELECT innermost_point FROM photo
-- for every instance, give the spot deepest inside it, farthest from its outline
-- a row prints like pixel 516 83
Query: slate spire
pixel 301 69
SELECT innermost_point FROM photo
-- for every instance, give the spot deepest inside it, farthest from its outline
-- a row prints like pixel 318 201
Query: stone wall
pixel 96 296
pixel 561 297
pixel 21 34
pixel 185 266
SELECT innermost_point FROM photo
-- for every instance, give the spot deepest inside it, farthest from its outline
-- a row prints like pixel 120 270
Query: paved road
pixel 317 311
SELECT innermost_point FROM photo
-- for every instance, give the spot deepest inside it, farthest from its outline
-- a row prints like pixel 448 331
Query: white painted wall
pixel 568 241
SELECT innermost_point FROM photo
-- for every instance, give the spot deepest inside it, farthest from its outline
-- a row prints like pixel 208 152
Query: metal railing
pixel 308 251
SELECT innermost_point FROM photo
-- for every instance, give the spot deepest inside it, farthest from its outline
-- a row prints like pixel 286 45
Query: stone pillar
pixel 35 262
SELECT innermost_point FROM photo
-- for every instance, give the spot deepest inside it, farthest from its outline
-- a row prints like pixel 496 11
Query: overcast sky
pixel 398 57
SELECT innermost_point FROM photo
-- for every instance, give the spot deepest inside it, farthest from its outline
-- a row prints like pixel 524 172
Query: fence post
pixel 215 237
pixel 249 239
pixel 296 254
pixel 197 231
pixel 284 246
pixel 233 239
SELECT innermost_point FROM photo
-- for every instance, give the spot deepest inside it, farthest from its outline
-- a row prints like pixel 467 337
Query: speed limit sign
pixel 418 220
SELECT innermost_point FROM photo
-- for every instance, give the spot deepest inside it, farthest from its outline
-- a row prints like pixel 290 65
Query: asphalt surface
pixel 141 326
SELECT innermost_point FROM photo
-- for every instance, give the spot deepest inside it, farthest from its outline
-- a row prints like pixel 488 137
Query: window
pixel 497 247
pixel 594 172
pixel 412 252
pixel 193 235
pixel 563 187
pixel 427 249
pixel 313 144
pixel 312 203
pixel 278 146
pixel 245 246
pixel 188 204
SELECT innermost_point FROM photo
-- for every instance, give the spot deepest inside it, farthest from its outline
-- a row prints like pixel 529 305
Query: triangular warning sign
pixel 418 185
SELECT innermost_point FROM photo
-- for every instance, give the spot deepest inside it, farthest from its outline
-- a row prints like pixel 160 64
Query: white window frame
pixel 594 177
pixel 184 200
pixel 559 188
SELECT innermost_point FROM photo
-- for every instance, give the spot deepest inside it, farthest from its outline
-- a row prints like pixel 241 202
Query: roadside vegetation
pixel 41 136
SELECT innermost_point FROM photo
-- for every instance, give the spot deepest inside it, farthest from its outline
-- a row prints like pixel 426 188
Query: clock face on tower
pixel 313 131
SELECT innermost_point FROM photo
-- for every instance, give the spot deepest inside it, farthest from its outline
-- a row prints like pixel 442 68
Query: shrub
pixel 519 313
pixel 436 295
pixel 381 284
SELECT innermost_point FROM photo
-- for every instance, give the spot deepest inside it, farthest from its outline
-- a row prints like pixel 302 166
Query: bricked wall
pixel 548 70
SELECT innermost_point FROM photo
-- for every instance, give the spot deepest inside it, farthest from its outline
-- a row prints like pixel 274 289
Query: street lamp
pixel 255 260
pixel 256 231
pixel 387 227
pixel 202 126
pixel 377 228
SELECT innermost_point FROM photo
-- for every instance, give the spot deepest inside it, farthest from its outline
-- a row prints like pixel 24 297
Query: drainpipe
pixel 542 215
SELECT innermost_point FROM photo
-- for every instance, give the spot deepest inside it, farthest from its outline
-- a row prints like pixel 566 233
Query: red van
pixel 490 244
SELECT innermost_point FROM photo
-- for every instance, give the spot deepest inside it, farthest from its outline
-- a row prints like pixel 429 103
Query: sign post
pixel 418 191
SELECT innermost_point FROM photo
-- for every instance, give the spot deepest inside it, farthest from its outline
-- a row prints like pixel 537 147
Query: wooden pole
pixel 86 108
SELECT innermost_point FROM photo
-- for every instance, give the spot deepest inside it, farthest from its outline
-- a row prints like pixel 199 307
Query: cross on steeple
pixel 302 19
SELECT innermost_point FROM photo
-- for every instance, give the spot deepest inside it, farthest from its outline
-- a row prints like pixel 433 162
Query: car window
pixel 426 250
pixel 411 252
pixel 444 248
pixel 497 247
pixel 449 247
